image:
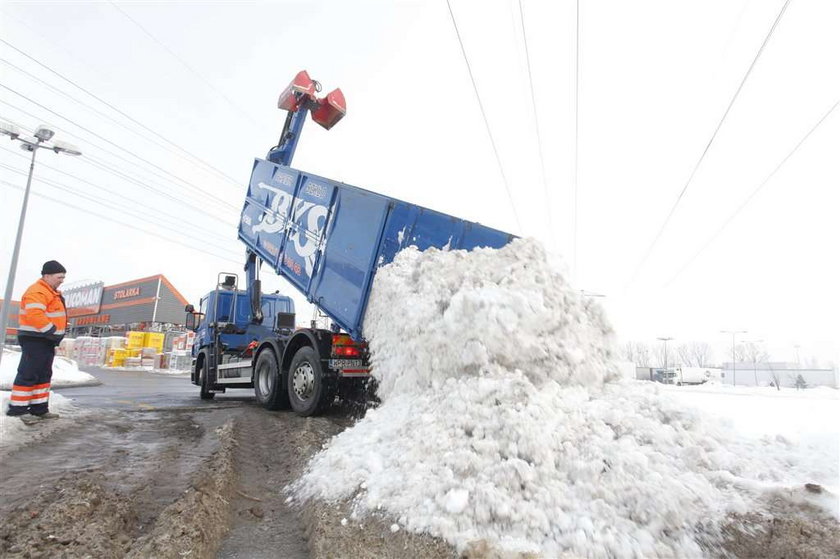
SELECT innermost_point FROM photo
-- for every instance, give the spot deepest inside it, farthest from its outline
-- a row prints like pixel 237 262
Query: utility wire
pixel 188 67
pixel 119 209
pixel 107 218
pixel 192 159
pixel 112 107
pixel 156 212
pixel 709 144
pixel 484 115
pixel 146 161
pixel 750 198
pixel 102 166
pixel 536 122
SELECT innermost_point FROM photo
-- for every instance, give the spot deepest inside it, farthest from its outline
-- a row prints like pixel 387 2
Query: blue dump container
pixel 328 238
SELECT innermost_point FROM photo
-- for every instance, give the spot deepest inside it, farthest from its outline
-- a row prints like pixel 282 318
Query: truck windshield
pixel 224 304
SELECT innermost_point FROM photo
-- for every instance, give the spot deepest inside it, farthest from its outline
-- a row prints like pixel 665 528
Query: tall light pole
pixel 42 134
pixel 665 343
pixel 733 332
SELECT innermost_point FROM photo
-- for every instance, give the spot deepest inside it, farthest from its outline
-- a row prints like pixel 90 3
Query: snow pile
pixel 65 371
pixel 503 420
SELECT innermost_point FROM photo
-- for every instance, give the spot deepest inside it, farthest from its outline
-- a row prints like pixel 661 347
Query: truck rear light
pixel 302 84
pixel 344 346
pixel 331 109
pixel 346 351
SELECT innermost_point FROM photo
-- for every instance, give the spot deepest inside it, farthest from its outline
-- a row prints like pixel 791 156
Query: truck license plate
pixel 346 364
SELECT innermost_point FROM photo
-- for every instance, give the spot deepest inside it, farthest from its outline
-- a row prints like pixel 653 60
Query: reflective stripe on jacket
pixel 42 312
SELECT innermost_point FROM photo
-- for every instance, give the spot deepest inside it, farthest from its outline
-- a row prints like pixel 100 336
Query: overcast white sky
pixel 655 79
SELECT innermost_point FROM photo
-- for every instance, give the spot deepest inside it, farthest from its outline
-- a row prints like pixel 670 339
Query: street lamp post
pixel 42 135
pixel 733 332
pixel 665 343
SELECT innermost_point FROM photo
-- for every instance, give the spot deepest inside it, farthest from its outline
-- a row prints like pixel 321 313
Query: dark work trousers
pixel 31 389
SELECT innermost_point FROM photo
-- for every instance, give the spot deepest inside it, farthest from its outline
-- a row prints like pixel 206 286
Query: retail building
pixel 93 308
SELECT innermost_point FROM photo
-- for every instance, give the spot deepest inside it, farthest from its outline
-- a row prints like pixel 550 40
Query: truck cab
pixel 229 310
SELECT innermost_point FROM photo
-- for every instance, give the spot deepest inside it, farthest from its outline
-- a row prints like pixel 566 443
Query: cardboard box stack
pixel 87 351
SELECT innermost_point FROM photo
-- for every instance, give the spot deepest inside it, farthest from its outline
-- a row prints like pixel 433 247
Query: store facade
pixel 149 304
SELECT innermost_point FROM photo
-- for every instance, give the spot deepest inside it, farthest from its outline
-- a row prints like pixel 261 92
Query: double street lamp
pixel 665 344
pixel 31 144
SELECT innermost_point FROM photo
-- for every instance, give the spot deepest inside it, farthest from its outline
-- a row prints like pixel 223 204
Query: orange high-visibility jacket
pixel 42 312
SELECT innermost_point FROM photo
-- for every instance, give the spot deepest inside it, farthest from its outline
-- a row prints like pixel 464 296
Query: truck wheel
pixel 268 387
pixel 309 391
pixel 203 381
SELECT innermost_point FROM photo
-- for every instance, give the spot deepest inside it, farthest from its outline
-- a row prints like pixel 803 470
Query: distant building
pixel 150 304
pixel 765 374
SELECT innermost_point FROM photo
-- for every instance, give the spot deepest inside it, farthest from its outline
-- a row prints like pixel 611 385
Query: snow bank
pixel 65 372
pixel 504 419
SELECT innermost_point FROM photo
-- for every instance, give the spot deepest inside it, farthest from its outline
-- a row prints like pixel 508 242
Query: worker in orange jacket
pixel 41 325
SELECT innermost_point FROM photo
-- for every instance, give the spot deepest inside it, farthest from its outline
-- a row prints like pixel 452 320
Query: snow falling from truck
pixel 504 421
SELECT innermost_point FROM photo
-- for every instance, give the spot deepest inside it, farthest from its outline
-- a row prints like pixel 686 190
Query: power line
pixel 67 204
pixel 749 198
pixel 103 166
pixel 112 107
pixel 186 183
pixel 157 212
pixel 709 144
pixel 192 158
pixel 484 116
pixel 187 66
pixel 536 122
pixel 120 209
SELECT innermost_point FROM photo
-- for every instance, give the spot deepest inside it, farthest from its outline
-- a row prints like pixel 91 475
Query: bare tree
pixel 684 354
pixel 702 354
pixel 637 352
pixel 755 352
pixel 695 354
pixel 740 353
pixel 643 353
pixel 660 357
pixel 777 378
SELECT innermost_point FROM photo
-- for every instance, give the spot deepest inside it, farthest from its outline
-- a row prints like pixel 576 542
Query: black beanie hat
pixel 52 267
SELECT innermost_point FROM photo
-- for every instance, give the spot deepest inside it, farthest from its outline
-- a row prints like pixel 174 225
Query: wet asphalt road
pixel 144 390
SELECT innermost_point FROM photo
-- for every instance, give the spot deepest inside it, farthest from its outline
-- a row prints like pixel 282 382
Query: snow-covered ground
pixel 504 418
pixel 65 373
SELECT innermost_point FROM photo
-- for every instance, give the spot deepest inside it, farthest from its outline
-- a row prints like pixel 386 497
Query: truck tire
pixel 268 385
pixel 309 391
pixel 203 381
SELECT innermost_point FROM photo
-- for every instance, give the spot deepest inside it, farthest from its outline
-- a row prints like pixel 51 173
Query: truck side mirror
pixel 190 320
pixel 189 308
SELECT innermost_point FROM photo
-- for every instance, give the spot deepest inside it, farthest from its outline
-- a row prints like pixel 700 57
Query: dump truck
pixel 327 239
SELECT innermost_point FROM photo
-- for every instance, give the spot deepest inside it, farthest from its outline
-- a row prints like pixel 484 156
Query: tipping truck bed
pixel 328 238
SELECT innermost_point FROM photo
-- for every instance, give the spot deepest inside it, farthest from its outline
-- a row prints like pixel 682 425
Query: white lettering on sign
pixel 83 297
pixel 283 178
pixel 280 204
pixel 309 215
pixel 126 293
pixel 315 189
